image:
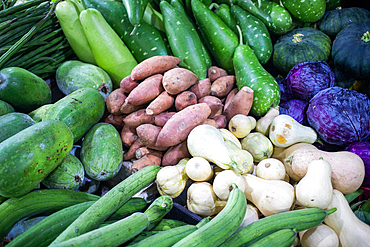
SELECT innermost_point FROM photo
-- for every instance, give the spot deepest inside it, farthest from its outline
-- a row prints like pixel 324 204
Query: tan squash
pixel 351 231
pixel 258 145
pixel 270 169
pixel 348 170
pixel 263 124
pixel 222 184
pixel 320 236
pixel 269 196
pixel 251 215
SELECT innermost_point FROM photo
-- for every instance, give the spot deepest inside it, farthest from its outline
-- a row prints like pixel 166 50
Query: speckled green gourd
pixel 39 113
pixel 306 10
pixel 73 75
pixel 5 108
pixel 12 123
pixel 30 155
pixel 68 175
pixel 249 72
pixel 79 110
pixel 22 89
pixel 101 152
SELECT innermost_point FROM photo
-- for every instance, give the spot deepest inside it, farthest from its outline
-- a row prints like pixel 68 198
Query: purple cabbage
pixel 296 109
pixel 362 149
pixel 308 78
pixel 340 116
pixel 284 94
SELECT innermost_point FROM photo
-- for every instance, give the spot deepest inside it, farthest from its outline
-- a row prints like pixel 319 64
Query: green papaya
pixel 39 113
pixel 79 110
pixel 101 152
pixel 72 75
pixel 68 175
pixel 22 89
pixel 30 155
pixel 5 107
pixel 12 123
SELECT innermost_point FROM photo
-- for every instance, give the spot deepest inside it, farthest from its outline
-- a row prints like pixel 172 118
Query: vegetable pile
pixel 184 123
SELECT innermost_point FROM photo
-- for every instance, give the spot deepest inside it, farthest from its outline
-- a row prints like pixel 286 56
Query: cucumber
pixel 249 72
pixel 114 234
pixel 167 224
pixel 222 225
pixel 48 229
pixel 157 210
pixel 109 203
pixel 299 220
pixel 5 108
pixel 79 110
pixel 22 89
pixel 68 175
pixel 281 238
pixel 143 235
pixel 101 152
pixel 37 202
pixel 30 155
pixel 73 75
pixel 12 123
pixel 39 113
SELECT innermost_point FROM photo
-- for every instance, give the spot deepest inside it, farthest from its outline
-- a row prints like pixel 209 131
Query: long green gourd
pixel 135 10
pixel 109 203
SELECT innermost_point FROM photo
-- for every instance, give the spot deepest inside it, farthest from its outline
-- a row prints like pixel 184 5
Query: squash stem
pixel 297 37
pixel 366 37
pixel 330 211
pixel 233 165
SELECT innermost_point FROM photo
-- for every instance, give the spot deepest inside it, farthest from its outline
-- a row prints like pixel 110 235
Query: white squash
pixel 251 215
pixel 320 236
pixel 258 145
pixel 315 188
pixel 270 169
pixel 199 169
pixel 241 125
pixel 350 230
pixel 269 196
pixel 243 158
pixel 222 184
pixel 263 124
pixel 285 131
pixel 228 136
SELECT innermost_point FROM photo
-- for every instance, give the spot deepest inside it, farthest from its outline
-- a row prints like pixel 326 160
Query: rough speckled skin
pixel 79 110
pixel 306 10
pixel 12 123
pixel 101 152
pixel 30 155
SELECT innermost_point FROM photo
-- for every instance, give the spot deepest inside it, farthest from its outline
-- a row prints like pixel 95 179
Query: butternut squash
pixel 320 236
pixel 263 124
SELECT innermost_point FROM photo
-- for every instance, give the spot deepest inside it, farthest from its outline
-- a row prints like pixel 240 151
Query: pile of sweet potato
pixel 159 103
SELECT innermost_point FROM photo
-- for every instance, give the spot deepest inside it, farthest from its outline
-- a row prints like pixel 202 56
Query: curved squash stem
pixel 366 37
pixel 330 211
pixel 240 35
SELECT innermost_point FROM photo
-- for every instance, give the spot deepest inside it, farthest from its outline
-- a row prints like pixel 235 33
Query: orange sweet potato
pixel 137 118
pixel 140 152
pixel 211 121
pixel 178 79
pixel 115 120
pixel 214 103
pixel 220 121
pixel 146 160
pixel 163 102
pixel 154 65
pixel 201 88
pixel 179 125
pixel 128 136
pixel 127 84
pixel 175 153
pixel 115 100
pixel 230 96
pixel 162 118
pixel 130 154
pixel 146 91
pixel 222 86
pixel 185 99
pixel 127 108
pixel 241 103
pixel 148 134
pixel 215 72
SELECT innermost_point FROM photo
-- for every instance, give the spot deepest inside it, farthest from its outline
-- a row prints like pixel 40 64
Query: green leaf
pixel 352 196
pixel 366 206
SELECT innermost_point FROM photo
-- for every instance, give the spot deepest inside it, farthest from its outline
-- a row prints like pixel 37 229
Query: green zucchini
pixel 157 210
pixel 37 202
pixel 281 238
pixel 167 224
pixel 222 225
pixel 109 203
pixel 299 220
pixel 143 235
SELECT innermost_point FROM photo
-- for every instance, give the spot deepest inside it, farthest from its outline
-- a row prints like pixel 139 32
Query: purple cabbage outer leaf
pixel 296 109
pixel 340 116
pixel 362 149
pixel 308 78
pixel 284 94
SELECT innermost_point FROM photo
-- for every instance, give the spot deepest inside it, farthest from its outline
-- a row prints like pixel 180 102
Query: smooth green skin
pixel 307 10
pixel 166 224
pixel 110 53
pixel 281 238
pixel 30 155
pixel 12 123
pixel 184 40
pixel 109 203
pixel 255 33
pixel 315 45
pixel 22 89
pixel 332 4
pixel 249 72
pixel 101 152
pixel 5 108
pixel 79 110
pixel 147 40
pixel 68 175
pixel 38 202
pixel 219 38
pixel 157 210
pixel 135 10
pixel 276 18
pixel 39 113
pixel 73 75
pixel 223 11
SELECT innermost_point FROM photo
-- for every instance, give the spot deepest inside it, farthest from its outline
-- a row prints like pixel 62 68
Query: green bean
pixel 31 20
pixel 20 7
